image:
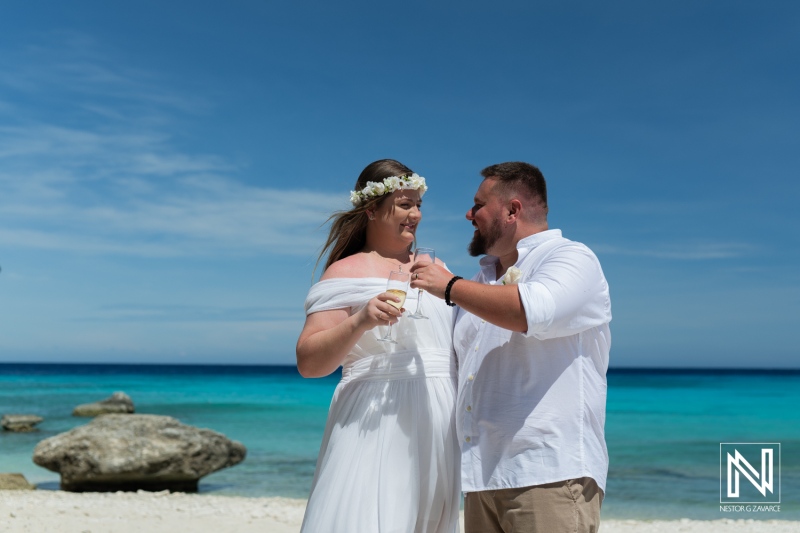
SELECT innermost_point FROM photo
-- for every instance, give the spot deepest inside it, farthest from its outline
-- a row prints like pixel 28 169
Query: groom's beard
pixel 481 243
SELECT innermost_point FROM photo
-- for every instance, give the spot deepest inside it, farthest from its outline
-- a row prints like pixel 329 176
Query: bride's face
pixel 399 215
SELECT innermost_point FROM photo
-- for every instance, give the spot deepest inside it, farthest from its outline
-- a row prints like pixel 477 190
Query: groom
pixel 532 339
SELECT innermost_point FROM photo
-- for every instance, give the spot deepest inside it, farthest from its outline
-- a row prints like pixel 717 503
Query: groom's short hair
pixel 518 177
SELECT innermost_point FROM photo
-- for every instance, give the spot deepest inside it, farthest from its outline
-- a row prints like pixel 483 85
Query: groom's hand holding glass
pixel 430 277
pixel 499 304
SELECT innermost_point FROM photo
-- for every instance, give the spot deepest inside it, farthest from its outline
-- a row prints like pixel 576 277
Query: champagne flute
pixel 396 286
pixel 422 254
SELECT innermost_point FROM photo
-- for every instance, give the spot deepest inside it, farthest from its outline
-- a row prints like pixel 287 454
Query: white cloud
pixel 683 251
pixel 196 313
pixel 198 215
pixel 74 64
pixel 113 181
pixel 660 207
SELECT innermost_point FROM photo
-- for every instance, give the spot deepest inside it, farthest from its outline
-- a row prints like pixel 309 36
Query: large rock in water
pixel 132 452
pixel 20 423
pixel 119 402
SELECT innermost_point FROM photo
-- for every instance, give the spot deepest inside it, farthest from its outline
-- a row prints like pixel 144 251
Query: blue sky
pixel 166 167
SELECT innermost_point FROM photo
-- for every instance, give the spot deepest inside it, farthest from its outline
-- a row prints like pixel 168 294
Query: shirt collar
pixel 530 242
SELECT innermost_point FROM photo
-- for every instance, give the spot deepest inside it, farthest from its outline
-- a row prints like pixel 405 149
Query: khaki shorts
pixel 566 506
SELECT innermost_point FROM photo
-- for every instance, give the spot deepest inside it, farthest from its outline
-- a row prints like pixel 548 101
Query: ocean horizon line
pixel 288 368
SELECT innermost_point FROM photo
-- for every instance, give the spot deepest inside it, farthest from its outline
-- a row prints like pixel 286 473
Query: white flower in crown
pixel 416 182
pixel 392 183
pixel 388 185
pixel 512 277
pixel 378 189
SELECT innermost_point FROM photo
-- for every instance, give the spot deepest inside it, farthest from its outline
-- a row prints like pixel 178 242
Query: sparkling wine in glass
pixel 427 255
pixel 396 286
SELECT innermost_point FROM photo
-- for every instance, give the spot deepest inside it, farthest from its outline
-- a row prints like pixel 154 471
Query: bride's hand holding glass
pixel 386 308
pixel 395 296
pixel 382 310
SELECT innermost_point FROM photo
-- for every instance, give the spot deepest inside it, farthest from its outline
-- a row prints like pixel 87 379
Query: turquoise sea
pixel 663 428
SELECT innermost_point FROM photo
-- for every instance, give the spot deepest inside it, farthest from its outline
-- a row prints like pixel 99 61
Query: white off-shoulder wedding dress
pixel 389 459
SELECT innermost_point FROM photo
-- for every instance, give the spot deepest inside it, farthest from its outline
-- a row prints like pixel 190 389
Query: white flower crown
pixel 388 186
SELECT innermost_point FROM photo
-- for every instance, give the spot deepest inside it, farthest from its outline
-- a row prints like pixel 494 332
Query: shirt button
pixel 467 439
pixel 471 377
pixel 469 408
pixel 483 322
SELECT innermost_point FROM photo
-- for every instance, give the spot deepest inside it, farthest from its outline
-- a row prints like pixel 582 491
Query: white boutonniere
pixel 512 277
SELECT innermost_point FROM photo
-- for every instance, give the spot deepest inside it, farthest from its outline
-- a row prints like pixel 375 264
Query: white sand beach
pixel 162 512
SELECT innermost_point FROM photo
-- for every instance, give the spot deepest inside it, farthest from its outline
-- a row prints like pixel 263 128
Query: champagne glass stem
pixel 422 254
pixel 388 337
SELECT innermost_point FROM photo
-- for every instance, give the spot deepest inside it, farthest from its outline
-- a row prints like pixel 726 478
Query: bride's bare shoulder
pixel 353 266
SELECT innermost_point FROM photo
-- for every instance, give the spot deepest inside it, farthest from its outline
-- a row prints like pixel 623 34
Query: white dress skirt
pixel 389 459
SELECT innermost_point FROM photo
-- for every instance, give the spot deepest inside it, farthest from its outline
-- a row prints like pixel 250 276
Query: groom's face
pixel 485 216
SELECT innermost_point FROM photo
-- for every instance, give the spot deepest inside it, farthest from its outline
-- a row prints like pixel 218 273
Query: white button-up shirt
pixel 531 406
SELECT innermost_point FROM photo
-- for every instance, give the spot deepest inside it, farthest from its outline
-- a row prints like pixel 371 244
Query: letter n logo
pixel 747 472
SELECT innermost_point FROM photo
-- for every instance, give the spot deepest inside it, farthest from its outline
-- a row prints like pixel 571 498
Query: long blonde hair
pixel 348 233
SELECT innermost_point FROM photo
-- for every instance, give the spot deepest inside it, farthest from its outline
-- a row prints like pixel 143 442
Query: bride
pixel 389 455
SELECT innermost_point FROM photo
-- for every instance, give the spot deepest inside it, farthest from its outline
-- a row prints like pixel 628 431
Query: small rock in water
pixel 14 482
pixel 117 403
pixel 20 423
